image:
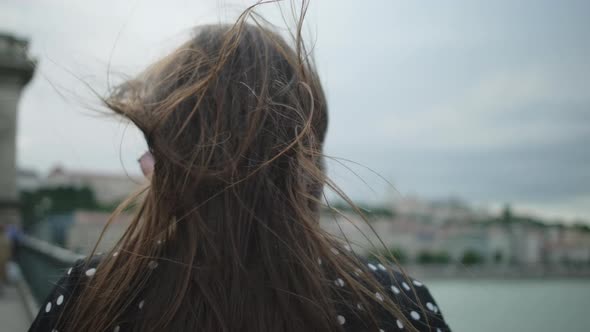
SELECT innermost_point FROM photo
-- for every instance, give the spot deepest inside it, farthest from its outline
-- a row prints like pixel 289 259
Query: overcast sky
pixel 488 101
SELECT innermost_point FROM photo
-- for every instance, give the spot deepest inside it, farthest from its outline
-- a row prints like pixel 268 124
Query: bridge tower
pixel 16 70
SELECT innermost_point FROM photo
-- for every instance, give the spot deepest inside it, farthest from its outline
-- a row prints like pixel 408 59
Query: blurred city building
pixel 71 208
pixel 567 246
pixel 79 230
pixel 27 180
pixel 446 232
pixel 439 232
pixel 107 188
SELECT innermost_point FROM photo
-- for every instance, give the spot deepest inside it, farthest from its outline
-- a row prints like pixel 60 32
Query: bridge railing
pixel 42 264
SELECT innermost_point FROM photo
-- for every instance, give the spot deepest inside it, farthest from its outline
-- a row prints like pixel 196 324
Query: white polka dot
pixel 381 330
pixel 347 247
pixel 394 289
pixel 438 330
pixel 115 254
pixel 399 323
pixel 54 330
pixel 90 272
pixel 69 271
pixel 379 296
pixel 406 286
pixel 372 267
pixel 335 251
pixel 341 319
pixel 435 308
pixel 153 264
pixel 339 282
pixel 381 267
pixel 320 261
pixel 359 306
pixel 159 242
pixel 117 328
pixel 430 306
pixel 60 300
pixel 415 315
pixel 417 283
pixel 358 271
pixel 140 305
pixel 48 307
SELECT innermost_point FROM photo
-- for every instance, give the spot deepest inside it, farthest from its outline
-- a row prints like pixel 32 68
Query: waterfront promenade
pixel 13 313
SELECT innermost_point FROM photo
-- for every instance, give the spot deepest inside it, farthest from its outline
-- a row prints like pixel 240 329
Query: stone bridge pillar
pixel 16 70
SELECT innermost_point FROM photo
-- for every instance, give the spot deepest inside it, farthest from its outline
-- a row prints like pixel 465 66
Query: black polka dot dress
pixel 411 296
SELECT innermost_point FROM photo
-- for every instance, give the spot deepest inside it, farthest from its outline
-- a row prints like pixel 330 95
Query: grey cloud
pixel 484 100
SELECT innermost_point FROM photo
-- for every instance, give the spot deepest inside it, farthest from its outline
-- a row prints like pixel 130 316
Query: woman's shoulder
pixel 65 290
pixel 409 294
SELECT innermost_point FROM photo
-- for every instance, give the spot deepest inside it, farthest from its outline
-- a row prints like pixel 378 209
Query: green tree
pixel 498 256
pixel 370 211
pixel 433 257
pixel 507 216
pixel 46 201
pixel 399 255
pixel 471 257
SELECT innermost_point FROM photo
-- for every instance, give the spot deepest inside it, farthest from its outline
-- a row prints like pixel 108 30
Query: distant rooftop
pixel 61 171
pixel 14 56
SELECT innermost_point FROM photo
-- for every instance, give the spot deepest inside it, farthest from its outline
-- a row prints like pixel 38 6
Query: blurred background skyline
pixel 486 102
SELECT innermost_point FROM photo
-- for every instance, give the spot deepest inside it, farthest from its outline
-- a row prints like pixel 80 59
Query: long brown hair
pixel 226 237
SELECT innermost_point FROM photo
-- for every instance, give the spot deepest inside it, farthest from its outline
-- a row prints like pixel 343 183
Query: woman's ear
pixel 146 162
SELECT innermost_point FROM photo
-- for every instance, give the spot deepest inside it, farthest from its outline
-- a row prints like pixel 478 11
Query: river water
pixel 514 305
